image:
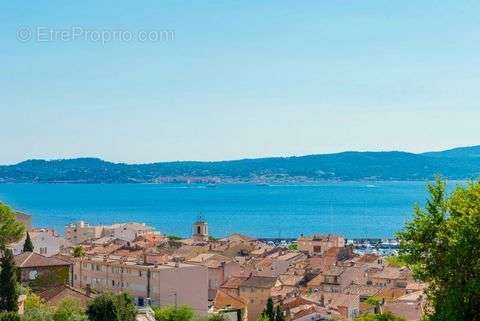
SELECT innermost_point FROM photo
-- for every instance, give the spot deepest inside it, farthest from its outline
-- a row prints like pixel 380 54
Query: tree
pixel 279 315
pixel 11 230
pixel 172 313
pixel 69 310
pixel 269 311
pixel 441 245
pixel 387 316
pixel 78 251
pixel 216 317
pixel 28 245
pixel 8 283
pixel 126 307
pixel 9 316
pixel 103 308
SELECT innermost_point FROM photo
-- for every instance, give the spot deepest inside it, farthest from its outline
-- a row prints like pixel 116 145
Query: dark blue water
pixel 354 209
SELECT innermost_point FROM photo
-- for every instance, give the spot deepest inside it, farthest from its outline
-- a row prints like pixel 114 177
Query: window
pixel 139 273
pixel 113 282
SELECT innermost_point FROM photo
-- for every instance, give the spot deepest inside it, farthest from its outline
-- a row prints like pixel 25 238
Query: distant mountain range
pixel 458 163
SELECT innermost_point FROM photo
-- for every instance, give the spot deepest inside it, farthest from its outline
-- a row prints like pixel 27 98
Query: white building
pixel 45 242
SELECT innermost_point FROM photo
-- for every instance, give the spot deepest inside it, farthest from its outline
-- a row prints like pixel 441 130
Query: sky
pixel 236 79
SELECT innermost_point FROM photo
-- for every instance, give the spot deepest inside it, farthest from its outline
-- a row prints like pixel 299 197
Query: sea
pixel 352 209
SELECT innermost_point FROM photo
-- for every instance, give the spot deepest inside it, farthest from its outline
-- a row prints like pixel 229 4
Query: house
pixel 256 290
pixel 337 278
pixel 348 305
pixel 390 277
pixel 45 242
pixel 42 272
pixel 319 244
pixel 81 231
pixel 410 306
pixel 231 306
pixel 53 296
pixel 219 267
pixel 26 219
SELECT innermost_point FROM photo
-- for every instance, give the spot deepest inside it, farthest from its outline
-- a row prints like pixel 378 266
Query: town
pixel 237 278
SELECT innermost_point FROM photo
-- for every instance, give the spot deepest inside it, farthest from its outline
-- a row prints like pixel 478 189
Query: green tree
pixel 216 317
pixel 69 310
pixel 11 230
pixel 172 313
pixel 269 311
pixel 28 245
pixel 293 246
pixel 263 317
pixel 103 308
pixel 126 307
pixel 78 251
pixel 387 316
pixel 279 315
pixel 38 314
pixel 8 283
pixel 441 245
pixel 9 316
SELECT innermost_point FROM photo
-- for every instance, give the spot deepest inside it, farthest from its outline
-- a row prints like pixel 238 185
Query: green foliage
pixel 373 300
pixel 103 308
pixel 212 238
pixel 38 314
pixel 69 310
pixel 174 238
pixel 263 317
pixel 9 316
pixel 395 261
pixel 33 302
pixel 269 311
pixel 111 307
pixel 171 313
pixel 28 245
pixel 441 245
pixel 216 317
pixel 8 283
pixel 126 307
pixel 387 316
pixel 78 251
pixel 293 246
pixel 279 315
pixel 11 230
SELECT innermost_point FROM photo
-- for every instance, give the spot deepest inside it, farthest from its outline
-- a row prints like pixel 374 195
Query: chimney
pixel 322 300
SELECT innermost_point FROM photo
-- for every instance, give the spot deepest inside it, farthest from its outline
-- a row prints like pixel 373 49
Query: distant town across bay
pixel 353 209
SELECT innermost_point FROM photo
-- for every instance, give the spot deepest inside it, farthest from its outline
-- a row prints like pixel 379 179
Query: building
pixel 337 278
pixel 45 242
pixel 81 231
pixel 255 291
pixel 231 306
pixel 166 284
pixel 40 272
pixel 319 244
pixel 26 219
pixel 200 231
pixel 390 277
pixel 219 267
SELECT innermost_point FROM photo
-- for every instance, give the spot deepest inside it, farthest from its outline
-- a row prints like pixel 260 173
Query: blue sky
pixel 240 79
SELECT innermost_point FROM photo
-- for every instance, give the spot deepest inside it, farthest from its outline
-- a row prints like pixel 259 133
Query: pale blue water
pixel 354 209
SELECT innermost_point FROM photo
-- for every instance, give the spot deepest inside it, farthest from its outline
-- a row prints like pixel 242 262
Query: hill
pixel 460 152
pixel 460 163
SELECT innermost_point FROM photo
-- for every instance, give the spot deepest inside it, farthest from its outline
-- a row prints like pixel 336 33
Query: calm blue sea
pixel 354 209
